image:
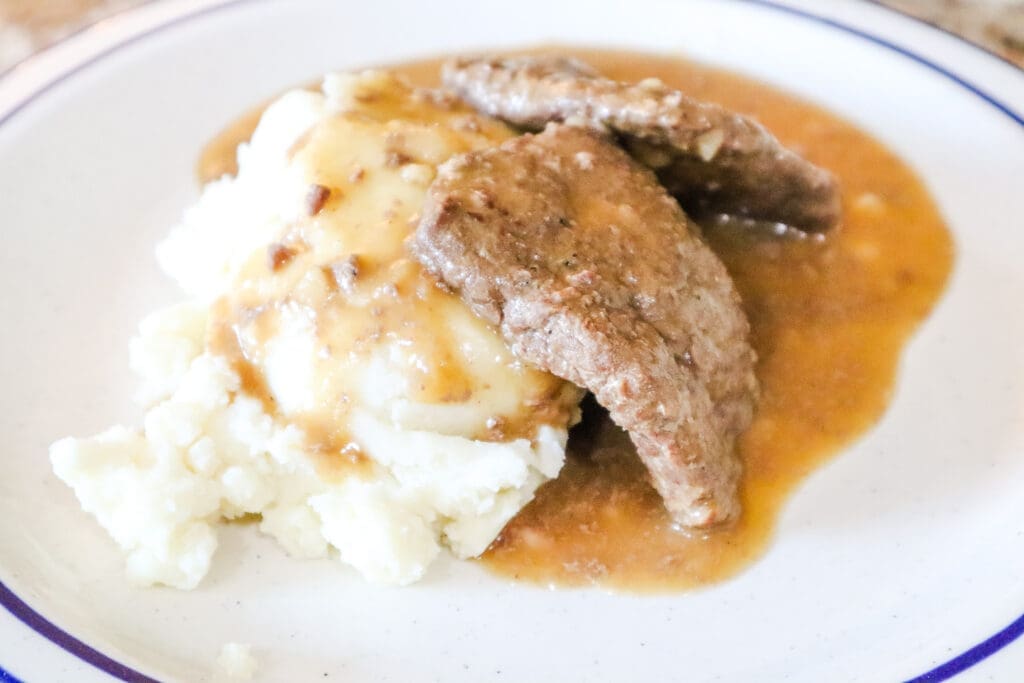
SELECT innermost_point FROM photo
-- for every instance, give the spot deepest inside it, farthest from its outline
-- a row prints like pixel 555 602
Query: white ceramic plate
pixel 901 555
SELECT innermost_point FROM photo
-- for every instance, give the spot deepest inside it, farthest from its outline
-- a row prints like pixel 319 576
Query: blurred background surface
pixel 30 25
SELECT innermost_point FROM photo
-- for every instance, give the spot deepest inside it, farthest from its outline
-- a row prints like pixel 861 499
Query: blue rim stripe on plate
pixel 55 634
pixel 977 653
pixel 913 56
pixel 7 677
pixel 942 29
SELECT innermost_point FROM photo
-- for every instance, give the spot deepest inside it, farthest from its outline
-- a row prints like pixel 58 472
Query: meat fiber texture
pixel 592 272
pixel 714 161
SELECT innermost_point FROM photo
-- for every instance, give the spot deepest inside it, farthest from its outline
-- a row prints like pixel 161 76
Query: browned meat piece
pixel 713 160
pixel 592 272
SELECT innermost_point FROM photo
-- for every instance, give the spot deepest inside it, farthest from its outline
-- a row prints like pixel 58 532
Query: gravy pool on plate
pixel 829 319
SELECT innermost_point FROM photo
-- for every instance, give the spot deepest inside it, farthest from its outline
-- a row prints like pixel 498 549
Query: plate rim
pixel 186 11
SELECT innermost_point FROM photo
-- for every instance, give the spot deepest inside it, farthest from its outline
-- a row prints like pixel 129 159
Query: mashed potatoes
pixel 316 376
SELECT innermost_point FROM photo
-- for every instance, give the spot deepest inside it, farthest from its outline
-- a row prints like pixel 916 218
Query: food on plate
pixel 317 376
pixel 397 302
pixel 713 160
pixel 593 273
pixel 829 318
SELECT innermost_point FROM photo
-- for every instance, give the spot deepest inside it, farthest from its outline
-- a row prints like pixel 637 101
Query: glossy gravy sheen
pixel 334 313
pixel 829 320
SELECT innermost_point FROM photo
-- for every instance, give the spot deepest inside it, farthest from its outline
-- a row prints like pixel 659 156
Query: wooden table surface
pixel 30 25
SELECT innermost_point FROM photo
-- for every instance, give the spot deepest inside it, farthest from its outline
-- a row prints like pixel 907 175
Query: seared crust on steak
pixel 713 160
pixel 593 272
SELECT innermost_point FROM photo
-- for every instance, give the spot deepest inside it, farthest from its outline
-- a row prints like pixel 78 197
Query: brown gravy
pixel 829 321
